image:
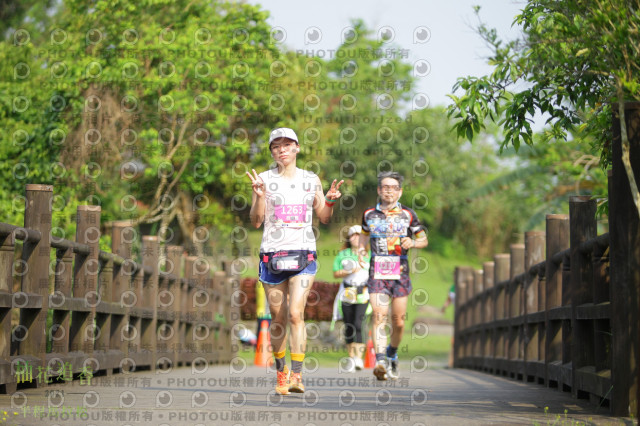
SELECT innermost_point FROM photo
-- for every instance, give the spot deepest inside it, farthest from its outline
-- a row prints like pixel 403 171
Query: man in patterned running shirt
pixel 393 229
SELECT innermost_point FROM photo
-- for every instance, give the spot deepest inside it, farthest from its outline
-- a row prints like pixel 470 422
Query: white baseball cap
pixel 282 132
pixel 355 229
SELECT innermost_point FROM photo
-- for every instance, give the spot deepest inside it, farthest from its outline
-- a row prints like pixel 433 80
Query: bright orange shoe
pixel 295 383
pixel 282 385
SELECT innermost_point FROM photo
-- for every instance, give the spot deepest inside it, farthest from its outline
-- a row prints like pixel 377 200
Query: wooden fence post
pixel 122 237
pixel 601 297
pixel 534 253
pixel 184 312
pixel 460 314
pixel 488 337
pixel 231 314
pixel 203 303
pixel 7 248
pixel 624 232
pixel 190 342
pixel 456 318
pixel 502 264
pixel 174 267
pixel 516 338
pixel 221 280
pixel 557 341
pixel 61 318
pixel 136 312
pixel 582 214
pixel 35 282
pixel 468 273
pixel 477 317
pixel 150 259
pixel 85 283
pixel 103 320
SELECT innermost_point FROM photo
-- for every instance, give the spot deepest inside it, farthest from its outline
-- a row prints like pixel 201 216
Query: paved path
pixel 224 395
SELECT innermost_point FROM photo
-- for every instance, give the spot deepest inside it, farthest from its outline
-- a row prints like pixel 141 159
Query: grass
pixel 431 276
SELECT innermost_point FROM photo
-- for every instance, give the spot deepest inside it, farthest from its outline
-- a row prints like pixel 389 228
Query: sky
pixel 438 36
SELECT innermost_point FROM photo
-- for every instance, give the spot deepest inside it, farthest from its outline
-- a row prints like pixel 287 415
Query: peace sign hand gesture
pixel 334 192
pixel 257 184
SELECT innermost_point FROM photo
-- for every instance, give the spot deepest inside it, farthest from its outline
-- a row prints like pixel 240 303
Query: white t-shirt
pixel 288 211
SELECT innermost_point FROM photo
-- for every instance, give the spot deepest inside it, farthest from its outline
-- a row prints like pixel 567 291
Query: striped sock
pixel 279 357
pixel 296 362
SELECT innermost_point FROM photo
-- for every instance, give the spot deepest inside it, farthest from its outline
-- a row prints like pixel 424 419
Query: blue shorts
pixel 268 277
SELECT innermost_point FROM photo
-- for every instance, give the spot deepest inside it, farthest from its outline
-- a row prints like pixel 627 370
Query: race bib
pixel 386 267
pixel 287 264
pixel 291 215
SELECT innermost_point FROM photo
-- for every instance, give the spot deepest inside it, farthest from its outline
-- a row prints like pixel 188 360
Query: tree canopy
pixel 575 62
pixel 155 109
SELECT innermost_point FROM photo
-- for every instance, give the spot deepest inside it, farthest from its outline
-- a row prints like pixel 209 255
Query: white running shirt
pixel 288 211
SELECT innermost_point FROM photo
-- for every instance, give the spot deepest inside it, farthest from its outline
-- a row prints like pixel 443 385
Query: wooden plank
pixel 560 375
pixel 78 304
pixel 21 300
pixel 559 313
pixel 534 371
pixel 138 312
pixel 596 383
pixel 590 311
pixel 110 308
pixel 536 317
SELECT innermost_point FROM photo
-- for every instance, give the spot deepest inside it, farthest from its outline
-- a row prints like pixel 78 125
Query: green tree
pixel 442 178
pixel 153 103
pixel 372 86
pixel 19 19
pixel 156 109
pixel 544 175
pixel 575 59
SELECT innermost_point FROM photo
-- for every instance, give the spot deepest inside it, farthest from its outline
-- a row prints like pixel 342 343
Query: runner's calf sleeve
pixel 391 351
pixel 279 357
pixel 296 362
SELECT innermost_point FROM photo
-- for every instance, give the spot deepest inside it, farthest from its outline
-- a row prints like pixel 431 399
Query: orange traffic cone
pixel 263 356
pixel 370 354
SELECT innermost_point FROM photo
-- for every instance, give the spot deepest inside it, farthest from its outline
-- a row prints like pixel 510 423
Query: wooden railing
pixel 541 320
pixel 89 311
pixel 568 319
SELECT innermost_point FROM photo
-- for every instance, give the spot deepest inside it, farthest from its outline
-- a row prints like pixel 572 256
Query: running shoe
pixel 282 378
pixel 393 367
pixel 359 364
pixel 380 370
pixel 349 365
pixel 295 383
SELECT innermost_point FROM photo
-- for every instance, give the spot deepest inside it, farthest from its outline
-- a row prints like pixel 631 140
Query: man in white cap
pixel 284 199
